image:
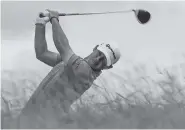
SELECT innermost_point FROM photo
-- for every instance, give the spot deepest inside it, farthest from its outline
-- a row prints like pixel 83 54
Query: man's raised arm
pixel 59 37
pixel 41 50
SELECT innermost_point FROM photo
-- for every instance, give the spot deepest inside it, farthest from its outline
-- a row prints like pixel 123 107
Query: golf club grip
pixel 41 15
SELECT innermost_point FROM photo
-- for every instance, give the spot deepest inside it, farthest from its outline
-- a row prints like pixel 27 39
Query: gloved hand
pixel 42 20
pixel 53 14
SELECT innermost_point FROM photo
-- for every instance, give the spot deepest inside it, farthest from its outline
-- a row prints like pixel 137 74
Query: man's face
pixel 97 60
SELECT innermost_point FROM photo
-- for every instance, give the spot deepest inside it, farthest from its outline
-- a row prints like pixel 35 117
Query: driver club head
pixel 142 16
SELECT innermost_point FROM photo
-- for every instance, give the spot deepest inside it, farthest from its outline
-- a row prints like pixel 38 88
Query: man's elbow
pixel 39 56
pixel 39 53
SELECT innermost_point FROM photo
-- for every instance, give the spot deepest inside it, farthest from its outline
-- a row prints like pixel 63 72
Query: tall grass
pixel 151 103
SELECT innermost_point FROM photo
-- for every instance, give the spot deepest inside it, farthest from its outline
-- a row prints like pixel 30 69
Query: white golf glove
pixel 42 20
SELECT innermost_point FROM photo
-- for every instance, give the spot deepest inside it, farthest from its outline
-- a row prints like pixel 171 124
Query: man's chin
pixel 97 69
pixel 106 68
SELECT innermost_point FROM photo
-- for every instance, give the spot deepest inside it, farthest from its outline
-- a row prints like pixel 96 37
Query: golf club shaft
pixel 73 14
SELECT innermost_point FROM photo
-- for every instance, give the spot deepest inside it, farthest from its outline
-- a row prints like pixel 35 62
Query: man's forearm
pixel 40 40
pixel 59 37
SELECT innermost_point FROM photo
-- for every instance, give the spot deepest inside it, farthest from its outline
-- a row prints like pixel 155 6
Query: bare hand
pixel 42 20
pixel 53 14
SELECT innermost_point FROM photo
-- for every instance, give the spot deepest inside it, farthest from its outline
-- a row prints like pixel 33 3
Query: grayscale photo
pixel 92 65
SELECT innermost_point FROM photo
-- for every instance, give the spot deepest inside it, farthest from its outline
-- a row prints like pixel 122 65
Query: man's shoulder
pixel 80 67
pixel 73 59
pixel 75 62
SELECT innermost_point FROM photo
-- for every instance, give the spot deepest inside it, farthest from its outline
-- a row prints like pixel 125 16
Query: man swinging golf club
pixel 70 77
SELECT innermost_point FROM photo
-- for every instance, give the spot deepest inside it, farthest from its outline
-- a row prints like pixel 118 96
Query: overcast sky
pixel 161 40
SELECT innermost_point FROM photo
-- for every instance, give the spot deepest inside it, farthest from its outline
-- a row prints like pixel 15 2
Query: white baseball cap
pixel 111 52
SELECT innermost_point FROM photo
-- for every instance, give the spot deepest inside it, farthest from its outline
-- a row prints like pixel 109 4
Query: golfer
pixel 70 76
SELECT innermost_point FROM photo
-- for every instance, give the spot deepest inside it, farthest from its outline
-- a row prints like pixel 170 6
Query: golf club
pixel 142 16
